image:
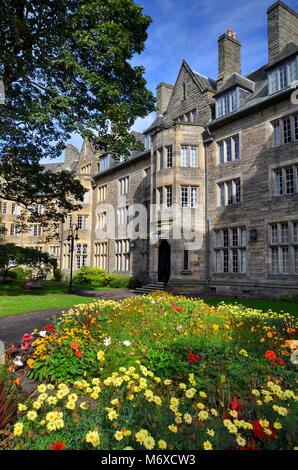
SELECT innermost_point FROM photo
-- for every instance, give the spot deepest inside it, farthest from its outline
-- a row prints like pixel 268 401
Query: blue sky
pixel 189 29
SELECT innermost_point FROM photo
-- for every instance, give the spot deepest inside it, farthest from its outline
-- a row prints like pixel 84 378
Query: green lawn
pixel 264 305
pixel 14 299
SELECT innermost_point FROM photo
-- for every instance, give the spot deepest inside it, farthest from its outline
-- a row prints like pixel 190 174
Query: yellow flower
pixel 149 442
pixel 41 388
pixel 173 428
pixel 18 429
pixel 240 441
pixel 118 435
pixel 201 406
pixel 210 432
pixel 112 415
pixel 162 444
pixel 93 438
pixel 207 445
pixel 174 401
pixel 243 352
pixel 190 392
pixel 101 356
pixel 187 418
pixel 203 415
pixel 22 407
pixel 31 415
pixel 277 425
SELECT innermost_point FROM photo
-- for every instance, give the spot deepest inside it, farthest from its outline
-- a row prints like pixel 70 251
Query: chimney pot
pixel 234 35
pixel 229 32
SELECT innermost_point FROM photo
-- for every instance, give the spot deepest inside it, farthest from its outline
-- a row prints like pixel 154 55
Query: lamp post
pixel 72 236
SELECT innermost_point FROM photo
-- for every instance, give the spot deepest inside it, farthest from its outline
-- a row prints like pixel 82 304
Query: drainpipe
pixel 93 187
pixel 207 221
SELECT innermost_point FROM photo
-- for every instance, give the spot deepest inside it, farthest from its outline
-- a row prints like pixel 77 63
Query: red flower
pixel 49 327
pixel 194 358
pixel 78 353
pixel 258 430
pixel 236 405
pixel 270 355
pixel 74 346
pixel 59 445
pixel 280 361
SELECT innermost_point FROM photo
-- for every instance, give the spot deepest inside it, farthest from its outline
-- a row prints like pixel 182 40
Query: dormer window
pixel 147 141
pixel 227 102
pixel 104 162
pixel 283 75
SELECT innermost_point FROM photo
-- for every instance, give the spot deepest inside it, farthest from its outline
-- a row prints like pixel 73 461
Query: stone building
pixel 210 206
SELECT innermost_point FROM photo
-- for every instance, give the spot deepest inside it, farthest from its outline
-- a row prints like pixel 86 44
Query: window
pixel 236 148
pixel 4 207
pixel 81 255
pixel 185 260
pixel 229 192
pixel 15 209
pixel 183 91
pixel 169 157
pixel 35 230
pixel 283 247
pixel 227 103
pixel 285 180
pixel 184 156
pixel 69 222
pixel 230 250
pixel 147 141
pixel 189 196
pixel 104 162
pixel 122 213
pixel 80 222
pixel 124 185
pixel 285 130
pixel 102 220
pixel 54 251
pixel 194 157
pixel 169 196
pixel 86 197
pixel 101 253
pixel 122 255
pixel 229 149
pixel 86 222
pixel 14 230
pixel 282 76
pixel 102 193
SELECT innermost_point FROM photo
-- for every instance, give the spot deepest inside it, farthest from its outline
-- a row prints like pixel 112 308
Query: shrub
pixel 96 277
pixel 57 274
pixel 19 273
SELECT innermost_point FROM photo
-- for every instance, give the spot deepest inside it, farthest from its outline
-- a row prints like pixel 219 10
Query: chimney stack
pixel 163 95
pixel 229 57
pixel 282 23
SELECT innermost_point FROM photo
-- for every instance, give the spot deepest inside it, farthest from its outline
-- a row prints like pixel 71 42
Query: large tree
pixel 66 67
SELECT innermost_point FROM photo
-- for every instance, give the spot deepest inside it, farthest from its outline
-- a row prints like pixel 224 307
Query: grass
pixel 14 299
pixel 66 284
pixel 263 305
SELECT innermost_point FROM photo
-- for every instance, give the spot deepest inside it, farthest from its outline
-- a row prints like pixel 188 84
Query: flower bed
pixel 159 372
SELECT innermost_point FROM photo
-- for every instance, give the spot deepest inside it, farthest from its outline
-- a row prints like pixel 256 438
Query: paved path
pixel 13 327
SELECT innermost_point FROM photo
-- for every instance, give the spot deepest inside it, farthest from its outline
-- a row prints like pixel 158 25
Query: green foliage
pixel 96 277
pixel 57 274
pixel 289 298
pixel 19 273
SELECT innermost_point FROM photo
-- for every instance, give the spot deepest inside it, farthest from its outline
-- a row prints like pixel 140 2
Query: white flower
pixel 17 361
pixel 126 343
pixel 42 333
pixel 107 341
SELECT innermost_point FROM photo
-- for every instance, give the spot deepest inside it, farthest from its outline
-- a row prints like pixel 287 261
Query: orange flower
pixel 74 346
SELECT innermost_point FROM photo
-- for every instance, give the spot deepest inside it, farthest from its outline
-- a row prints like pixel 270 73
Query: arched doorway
pixel 164 261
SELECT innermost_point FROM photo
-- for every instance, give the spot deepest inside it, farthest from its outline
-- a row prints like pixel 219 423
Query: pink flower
pixel 173 305
pixel 25 346
pixel 179 328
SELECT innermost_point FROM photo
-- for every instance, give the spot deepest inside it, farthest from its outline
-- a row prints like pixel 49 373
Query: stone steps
pixel 149 288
